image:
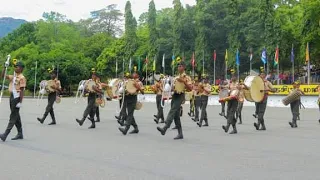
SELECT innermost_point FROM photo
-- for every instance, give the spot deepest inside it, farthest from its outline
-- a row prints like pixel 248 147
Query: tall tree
pixel 130 32
pixel 177 28
pixel 152 25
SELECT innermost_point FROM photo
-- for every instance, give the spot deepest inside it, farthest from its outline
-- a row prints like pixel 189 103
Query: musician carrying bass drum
pixel 53 88
pixel 294 100
pixel 132 88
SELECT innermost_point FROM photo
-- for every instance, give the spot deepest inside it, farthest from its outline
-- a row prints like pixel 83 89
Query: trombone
pixel 7 63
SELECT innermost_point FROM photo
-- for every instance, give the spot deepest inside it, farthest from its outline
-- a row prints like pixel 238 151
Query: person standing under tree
pixel 16 88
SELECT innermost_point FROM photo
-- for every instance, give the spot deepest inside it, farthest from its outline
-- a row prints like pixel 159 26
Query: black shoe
pixel 162 130
pixel 199 124
pixel 180 135
pixel 290 123
pixel 254 115
pixel 225 129
pixel 175 127
pixel 80 122
pixel 240 122
pixel 221 114
pixel 206 124
pixel 155 116
pixel 135 131
pixel 120 122
pixel 156 121
pixel 4 136
pixel 98 120
pixel 40 120
pixel 52 123
pixel 18 136
pixel 124 130
pixel 256 125
pixel 234 132
pixel 117 117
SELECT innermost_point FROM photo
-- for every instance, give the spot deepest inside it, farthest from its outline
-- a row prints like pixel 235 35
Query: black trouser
pixel 91 107
pixel 231 110
pixel 192 108
pixel 223 107
pixel 295 110
pixel 49 109
pixel 159 107
pixel 261 107
pixel 123 110
pixel 15 119
pixel 97 109
pixel 130 101
pixel 174 113
pixel 197 106
pixel 204 103
pixel 239 110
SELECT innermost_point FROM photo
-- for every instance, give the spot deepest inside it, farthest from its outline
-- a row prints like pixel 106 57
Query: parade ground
pixel 67 151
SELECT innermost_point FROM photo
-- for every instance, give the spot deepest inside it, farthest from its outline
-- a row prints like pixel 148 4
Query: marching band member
pixel 294 106
pixel 223 87
pixel 123 112
pixel 191 112
pixel 176 102
pixel 204 92
pixel 131 100
pixel 97 81
pixel 196 99
pixel 261 106
pixel 51 98
pixel 91 107
pixel 16 88
pixel 240 101
pixel 158 89
pixel 232 106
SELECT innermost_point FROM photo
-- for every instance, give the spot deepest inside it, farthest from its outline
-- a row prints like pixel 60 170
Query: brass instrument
pixel 179 87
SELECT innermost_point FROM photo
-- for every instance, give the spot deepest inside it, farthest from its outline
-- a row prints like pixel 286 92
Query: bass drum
pixel 255 84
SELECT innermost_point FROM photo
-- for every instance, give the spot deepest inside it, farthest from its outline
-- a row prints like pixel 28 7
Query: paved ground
pixel 68 151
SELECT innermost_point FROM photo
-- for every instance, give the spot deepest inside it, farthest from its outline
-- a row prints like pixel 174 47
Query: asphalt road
pixel 68 151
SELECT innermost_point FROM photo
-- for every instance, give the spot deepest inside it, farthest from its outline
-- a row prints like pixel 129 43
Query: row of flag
pixel 193 60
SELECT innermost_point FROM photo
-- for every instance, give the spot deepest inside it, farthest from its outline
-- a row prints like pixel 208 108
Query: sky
pixel 31 10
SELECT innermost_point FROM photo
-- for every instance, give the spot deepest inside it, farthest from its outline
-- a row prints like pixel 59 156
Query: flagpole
pixel 250 60
pixel 123 66
pixel 226 70
pixel 214 67
pixel 292 60
pixel 203 62
pixel 164 64
pixel 309 72
pixel 116 68
pixel 147 72
pixel 35 80
pixel 278 67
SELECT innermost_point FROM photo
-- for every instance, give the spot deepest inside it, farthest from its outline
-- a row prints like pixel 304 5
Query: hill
pixel 8 24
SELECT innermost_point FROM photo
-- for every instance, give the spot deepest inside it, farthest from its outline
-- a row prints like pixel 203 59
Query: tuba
pixel 167 88
pixel 7 63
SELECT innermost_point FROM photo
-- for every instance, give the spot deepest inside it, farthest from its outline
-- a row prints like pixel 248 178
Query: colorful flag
pixel 307 53
pixel 226 56
pixel 264 56
pixel 173 58
pixel 163 63
pixel 154 64
pixel 292 55
pixel 214 55
pixel 193 61
pixel 238 58
pixel 276 57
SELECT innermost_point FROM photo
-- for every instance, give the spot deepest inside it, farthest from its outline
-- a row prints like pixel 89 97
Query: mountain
pixel 8 24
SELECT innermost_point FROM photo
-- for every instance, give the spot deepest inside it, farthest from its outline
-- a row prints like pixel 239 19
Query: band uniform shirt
pixel 188 81
pixel 241 94
pixel 141 87
pixel 207 89
pixel 17 81
pixel 195 89
pixel 159 86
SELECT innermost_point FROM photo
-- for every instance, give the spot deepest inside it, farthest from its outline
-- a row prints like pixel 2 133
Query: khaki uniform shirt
pixel 188 81
pixel 241 94
pixel 20 82
pixel 207 89
pixel 159 88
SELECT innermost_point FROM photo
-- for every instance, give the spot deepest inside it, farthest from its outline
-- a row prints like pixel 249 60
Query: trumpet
pixel 7 63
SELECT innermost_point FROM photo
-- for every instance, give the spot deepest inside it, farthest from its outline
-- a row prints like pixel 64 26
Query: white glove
pixel 18 105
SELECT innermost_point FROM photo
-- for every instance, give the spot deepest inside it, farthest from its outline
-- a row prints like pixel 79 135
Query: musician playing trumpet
pixel 196 99
pixel 181 85
pixel 53 92
pixel 91 107
pixel 204 91
pixel 130 101
pixel 158 90
pixel 294 105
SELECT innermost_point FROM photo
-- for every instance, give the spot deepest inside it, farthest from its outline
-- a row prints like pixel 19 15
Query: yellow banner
pixel 281 90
